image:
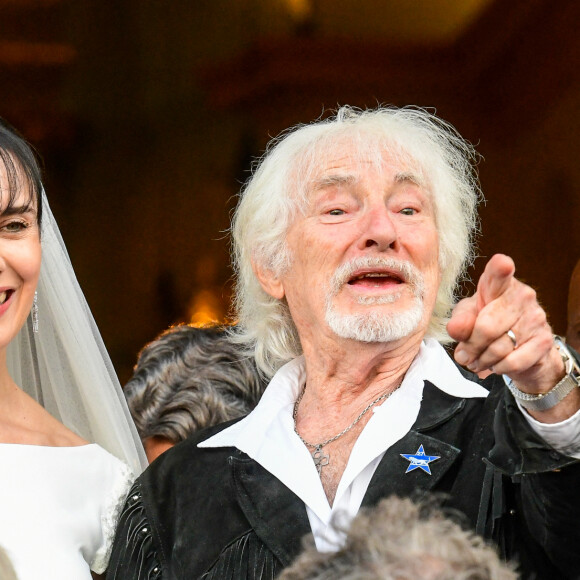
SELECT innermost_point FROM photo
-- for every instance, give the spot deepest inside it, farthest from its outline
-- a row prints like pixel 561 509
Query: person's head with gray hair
pixel 186 379
pixel 402 540
pixel 277 193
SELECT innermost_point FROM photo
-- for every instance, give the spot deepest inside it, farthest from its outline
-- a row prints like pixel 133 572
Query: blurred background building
pixel 148 114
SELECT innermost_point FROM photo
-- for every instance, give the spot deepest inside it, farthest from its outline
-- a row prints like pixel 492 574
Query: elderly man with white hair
pixel 349 241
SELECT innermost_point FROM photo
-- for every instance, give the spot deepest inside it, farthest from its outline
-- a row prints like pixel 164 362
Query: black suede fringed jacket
pixel 215 514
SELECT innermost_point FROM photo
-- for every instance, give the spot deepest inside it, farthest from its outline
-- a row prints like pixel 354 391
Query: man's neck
pixel 340 384
pixel 348 372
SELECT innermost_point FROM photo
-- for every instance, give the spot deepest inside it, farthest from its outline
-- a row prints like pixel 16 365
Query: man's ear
pixel 270 283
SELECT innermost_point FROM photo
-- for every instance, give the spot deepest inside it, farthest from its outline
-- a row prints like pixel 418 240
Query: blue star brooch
pixel 419 460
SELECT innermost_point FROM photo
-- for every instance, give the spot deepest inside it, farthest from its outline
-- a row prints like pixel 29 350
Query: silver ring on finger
pixel 512 337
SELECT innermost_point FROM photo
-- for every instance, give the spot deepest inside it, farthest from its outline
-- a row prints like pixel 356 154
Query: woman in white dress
pixel 68 448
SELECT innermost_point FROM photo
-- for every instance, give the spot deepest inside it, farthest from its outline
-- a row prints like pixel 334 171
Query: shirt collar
pixel 431 364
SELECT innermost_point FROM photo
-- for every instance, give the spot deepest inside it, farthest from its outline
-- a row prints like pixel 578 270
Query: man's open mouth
pixel 376 279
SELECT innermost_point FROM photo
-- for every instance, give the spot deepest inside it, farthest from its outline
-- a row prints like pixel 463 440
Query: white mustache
pixel 405 270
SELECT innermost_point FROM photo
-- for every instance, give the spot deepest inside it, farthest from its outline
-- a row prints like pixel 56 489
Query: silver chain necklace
pixel 320 458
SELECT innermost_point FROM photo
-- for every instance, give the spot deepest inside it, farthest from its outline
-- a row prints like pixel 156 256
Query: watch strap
pixel 545 401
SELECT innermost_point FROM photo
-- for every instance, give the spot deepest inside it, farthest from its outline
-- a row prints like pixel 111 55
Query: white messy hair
pixel 276 194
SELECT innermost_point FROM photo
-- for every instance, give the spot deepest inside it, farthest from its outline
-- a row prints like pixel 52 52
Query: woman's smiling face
pixel 20 253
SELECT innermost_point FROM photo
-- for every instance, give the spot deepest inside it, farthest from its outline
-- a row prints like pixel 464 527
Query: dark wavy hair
pixel 20 160
pixel 189 378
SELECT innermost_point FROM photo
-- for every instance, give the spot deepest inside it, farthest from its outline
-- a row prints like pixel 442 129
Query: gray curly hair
pixel 189 378
pixel 277 192
pixel 402 540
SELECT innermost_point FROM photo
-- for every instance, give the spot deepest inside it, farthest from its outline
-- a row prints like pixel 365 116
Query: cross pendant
pixel 320 458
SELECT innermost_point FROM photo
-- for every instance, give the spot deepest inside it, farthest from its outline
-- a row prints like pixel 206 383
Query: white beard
pixel 376 326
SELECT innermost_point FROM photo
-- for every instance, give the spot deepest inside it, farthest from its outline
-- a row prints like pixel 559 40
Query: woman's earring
pixel 34 313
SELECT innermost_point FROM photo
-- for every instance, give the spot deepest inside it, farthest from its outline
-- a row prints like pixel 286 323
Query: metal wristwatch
pixel 545 401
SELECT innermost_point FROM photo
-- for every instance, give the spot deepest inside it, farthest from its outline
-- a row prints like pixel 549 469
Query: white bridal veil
pixel 65 365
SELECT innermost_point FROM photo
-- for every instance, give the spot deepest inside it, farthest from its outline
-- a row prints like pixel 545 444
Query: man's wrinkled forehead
pixel 345 169
pixel 338 177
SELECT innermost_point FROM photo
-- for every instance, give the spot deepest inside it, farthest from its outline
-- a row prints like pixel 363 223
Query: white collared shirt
pixel 267 436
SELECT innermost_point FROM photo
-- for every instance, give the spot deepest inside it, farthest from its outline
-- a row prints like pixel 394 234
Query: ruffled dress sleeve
pixel 134 555
pixel 122 481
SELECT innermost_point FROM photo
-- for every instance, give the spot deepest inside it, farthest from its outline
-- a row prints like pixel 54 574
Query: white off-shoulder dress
pixel 59 508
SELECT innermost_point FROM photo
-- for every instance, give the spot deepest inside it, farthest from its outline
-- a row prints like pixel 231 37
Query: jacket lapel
pixel 276 514
pixel 395 474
